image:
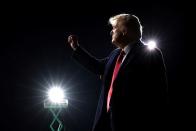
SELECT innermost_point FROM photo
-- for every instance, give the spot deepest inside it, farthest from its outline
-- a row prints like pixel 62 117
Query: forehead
pixel 118 23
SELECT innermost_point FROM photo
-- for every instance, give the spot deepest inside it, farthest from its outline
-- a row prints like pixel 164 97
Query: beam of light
pixel 56 94
pixel 65 81
pixel 151 44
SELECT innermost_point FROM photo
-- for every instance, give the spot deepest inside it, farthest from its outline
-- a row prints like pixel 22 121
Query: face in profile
pixel 116 35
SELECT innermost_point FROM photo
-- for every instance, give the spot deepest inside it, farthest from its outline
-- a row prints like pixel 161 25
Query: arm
pixel 88 61
pixel 159 73
pixel 83 57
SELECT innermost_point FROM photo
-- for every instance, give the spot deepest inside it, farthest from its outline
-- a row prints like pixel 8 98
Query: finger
pixel 70 39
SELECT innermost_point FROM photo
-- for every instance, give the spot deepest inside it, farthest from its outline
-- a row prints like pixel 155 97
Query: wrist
pixel 75 47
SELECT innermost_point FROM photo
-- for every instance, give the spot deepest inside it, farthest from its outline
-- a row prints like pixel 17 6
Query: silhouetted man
pixel 134 92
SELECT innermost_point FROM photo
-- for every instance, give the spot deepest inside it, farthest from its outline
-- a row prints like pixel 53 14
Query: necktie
pixel 115 72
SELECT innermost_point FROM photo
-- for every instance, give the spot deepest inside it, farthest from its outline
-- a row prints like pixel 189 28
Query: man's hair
pixel 132 22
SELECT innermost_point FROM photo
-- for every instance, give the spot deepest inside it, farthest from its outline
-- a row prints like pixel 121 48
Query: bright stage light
pixel 151 44
pixel 56 95
pixel 55 103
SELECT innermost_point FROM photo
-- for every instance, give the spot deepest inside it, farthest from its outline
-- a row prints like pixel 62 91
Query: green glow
pixel 55 109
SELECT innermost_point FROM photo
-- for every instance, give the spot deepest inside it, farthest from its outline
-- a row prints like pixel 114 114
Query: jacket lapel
pixel 130 56
pixel 111 63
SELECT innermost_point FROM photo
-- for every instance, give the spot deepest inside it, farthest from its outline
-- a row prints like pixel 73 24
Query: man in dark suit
pixel 134 92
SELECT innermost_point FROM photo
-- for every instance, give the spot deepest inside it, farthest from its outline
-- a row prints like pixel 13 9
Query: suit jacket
pixel 140 94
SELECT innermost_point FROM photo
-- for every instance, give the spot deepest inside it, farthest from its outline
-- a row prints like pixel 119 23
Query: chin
pixel 114 41
pixel 116 44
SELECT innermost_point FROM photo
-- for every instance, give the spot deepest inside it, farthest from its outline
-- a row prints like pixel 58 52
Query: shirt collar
pixel 128 47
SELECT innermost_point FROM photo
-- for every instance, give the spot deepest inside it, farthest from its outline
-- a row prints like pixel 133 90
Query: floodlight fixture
pixel 55 102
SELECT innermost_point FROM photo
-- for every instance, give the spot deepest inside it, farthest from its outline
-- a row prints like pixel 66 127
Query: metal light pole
pixel 55 103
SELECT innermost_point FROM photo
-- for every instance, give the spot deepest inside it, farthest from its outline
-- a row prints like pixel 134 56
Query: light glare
pixel 151 44
pixel 56 95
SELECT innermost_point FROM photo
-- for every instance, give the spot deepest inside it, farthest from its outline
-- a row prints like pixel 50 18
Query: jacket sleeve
pixel 88 61
pixel 159 74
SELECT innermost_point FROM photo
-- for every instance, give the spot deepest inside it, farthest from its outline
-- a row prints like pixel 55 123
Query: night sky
pixel 34 55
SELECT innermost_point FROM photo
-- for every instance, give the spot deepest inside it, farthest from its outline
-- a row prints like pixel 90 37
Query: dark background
pixel 34 55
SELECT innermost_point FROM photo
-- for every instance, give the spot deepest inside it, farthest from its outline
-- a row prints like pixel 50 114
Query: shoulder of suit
pixel 145 49
pixel 115 51
pixel 143 52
